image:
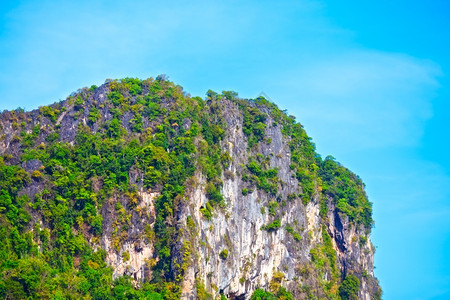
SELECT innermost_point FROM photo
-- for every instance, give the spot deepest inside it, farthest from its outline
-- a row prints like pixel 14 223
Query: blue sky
pixel 369 81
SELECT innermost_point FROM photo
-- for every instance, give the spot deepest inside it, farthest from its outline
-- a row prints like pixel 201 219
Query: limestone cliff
pixel 190 198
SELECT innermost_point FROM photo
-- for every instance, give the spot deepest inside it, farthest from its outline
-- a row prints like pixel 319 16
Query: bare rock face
pixel 253 252
pixel 132 258
pixel 256 256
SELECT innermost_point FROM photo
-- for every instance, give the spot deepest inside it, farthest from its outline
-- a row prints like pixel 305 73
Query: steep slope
pixel 134 189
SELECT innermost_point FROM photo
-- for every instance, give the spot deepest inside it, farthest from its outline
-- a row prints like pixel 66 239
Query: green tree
pixel 349 288
pixel 260 294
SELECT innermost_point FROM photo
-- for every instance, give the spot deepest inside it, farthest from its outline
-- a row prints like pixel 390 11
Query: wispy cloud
pixel 364 99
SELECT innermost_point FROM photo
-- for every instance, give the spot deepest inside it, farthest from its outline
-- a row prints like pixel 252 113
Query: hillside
pixel 135 189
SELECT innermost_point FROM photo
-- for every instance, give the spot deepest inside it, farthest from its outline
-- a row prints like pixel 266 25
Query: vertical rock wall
pixel 254 254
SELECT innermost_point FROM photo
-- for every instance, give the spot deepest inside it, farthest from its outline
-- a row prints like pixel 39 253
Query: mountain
pixel 135 189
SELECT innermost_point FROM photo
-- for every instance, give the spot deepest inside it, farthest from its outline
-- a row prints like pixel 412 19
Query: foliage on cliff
pixel 56 180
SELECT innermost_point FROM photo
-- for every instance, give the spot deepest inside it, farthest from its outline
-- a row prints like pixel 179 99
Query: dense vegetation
pixel 78 180
pixel 347 189
pixel 349 288
pixel 144 135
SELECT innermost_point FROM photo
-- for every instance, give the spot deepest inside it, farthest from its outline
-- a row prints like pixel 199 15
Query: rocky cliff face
pixel 257 256
pixel 190 198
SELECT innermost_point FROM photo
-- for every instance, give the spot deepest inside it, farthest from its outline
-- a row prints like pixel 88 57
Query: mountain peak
pixel 136 189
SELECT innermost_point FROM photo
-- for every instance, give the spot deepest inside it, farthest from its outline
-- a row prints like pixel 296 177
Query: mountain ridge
pixel 154 193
